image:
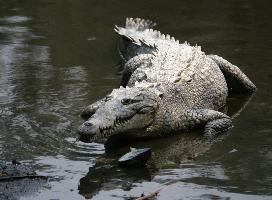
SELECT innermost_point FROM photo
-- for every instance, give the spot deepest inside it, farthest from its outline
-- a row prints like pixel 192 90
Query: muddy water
pixel 58 56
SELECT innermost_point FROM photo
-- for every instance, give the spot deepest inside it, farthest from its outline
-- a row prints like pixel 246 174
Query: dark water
pixel 56 57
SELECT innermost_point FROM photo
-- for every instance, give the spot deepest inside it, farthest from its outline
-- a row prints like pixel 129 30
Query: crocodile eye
pixel 126 101
pixel 129 101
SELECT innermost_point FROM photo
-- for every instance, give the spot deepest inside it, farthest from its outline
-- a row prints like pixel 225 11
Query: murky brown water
pixel 56 57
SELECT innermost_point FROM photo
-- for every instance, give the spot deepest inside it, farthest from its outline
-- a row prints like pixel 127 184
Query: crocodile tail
pixel 139 24
pixel 132 42
pixel 135 25
pixel 136 28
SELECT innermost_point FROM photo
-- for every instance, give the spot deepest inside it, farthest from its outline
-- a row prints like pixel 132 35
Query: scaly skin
pixel 170 87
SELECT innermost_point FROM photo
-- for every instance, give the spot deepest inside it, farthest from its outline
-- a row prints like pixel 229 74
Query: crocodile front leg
pixel 215 127
pixel 214 122
pixel 236 80
pixel 142 60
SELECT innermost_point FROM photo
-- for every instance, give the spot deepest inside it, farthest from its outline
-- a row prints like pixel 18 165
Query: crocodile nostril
pixel 88 124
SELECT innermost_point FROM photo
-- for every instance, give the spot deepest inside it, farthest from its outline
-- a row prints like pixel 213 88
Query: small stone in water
pixel 135 158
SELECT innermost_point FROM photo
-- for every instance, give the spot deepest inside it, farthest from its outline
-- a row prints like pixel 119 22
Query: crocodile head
pixel 124 110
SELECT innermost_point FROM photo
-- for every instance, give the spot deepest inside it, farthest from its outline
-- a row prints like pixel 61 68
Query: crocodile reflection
pixel 167 153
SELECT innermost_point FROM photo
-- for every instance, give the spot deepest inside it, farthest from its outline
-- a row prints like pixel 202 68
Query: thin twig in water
pixel 152 194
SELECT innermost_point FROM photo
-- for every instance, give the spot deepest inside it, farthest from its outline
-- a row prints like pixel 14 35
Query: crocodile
pixel 166 87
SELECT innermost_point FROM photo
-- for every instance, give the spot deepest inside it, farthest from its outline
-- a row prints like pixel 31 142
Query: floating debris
pixel 91 38
pixel 149 196
pixel 233 151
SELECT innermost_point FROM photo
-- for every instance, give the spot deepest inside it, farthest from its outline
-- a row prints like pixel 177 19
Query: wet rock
pixel 18 179
pixel 135 158
pixel 15 169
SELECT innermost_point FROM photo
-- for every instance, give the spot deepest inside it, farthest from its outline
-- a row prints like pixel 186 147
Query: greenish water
pixel 56 57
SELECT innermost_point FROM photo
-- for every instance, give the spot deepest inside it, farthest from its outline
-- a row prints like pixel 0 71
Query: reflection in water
pixel 56 57
pixel 170 152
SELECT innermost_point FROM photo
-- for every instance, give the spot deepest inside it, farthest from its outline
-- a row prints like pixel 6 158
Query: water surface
pixel 56 57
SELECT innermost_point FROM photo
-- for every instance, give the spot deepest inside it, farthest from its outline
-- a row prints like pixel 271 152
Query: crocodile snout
pixel 87 131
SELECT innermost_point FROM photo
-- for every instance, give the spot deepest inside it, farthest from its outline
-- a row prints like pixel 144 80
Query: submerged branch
pixel 146 197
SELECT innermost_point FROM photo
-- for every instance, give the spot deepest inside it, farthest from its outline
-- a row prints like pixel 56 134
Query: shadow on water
pixel 56 57
pixel 167 153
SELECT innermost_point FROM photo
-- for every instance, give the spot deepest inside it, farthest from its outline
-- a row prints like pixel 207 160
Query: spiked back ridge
pixel 176 55
pixel 137 29
pixel 171 60
pixel 139 24
pixel 160 36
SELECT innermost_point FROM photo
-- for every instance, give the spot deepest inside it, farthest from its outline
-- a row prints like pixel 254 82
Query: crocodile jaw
pixel 91 131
